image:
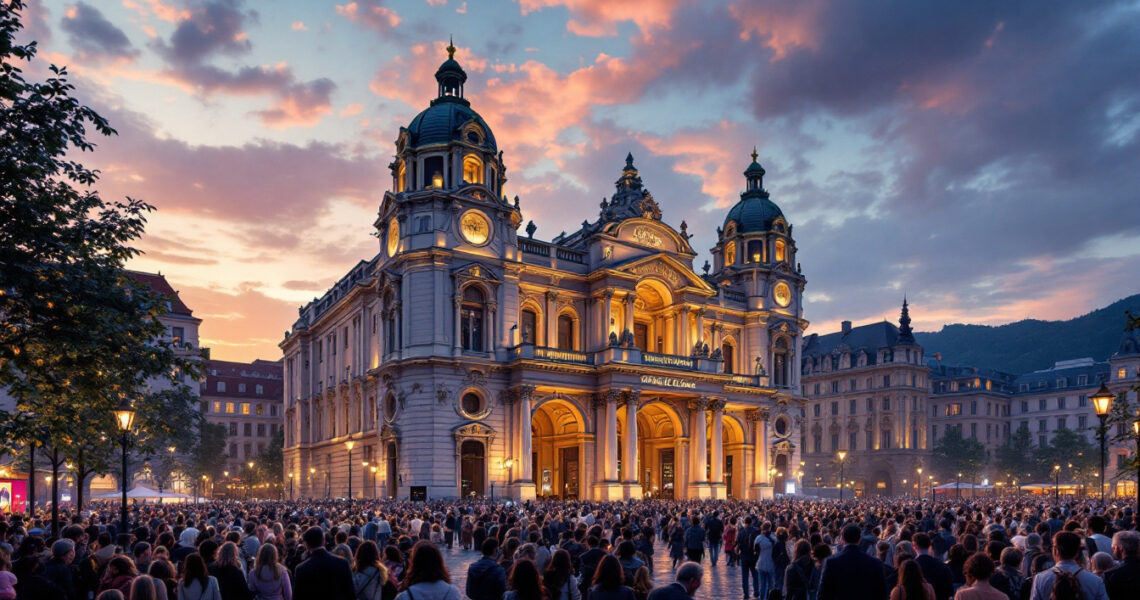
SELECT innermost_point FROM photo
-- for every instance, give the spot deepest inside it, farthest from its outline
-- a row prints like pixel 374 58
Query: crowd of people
pixel 1004 548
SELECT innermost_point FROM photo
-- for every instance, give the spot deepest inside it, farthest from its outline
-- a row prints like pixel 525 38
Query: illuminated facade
pixel 467 360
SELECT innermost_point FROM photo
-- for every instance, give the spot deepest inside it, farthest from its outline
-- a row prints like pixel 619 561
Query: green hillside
pixel 1030 345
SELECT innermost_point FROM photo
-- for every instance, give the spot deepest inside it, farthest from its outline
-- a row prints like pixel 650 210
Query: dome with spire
pixel 755 212
pixel 447 118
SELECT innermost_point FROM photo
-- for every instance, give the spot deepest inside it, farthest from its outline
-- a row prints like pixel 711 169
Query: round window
pixel 472 404
pixel 782 426
pixel 389 408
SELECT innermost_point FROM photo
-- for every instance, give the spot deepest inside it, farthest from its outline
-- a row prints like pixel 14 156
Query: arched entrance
pixel 557 449
pixel 881 483
pixel 390 482
pixel 659 460
pixel 780 477
pixel 733 444
pixel 473 469
pixel 652 325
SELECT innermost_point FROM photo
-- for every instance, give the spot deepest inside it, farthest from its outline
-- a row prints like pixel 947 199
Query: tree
pixel 1014 459
pixel 79 335
pixel 207 456
pixel 1078 458
pixel 954 454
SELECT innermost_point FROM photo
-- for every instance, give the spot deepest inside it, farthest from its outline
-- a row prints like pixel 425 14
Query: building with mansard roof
pixel 465 359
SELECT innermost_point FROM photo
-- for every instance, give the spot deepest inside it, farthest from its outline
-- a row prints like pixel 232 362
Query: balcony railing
pixel 553 354
pixel 669 360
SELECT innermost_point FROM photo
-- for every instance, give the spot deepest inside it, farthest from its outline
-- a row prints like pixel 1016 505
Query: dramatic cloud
pixel 215 27
pixel 370 14
pixel 601 17
pixel 93 35
pixel 301 105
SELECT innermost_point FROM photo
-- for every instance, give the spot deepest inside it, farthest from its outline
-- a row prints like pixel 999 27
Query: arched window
pixel 433 168
pixel 728 352
pixel 755 251
pixel 566 332
pixel 529 327
pixel 780 362
pixel 471 315
pixel 781 251
pixel 472 169
pixel 401 176
pixel 730 254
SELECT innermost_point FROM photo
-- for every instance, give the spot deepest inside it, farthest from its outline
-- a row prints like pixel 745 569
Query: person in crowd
pixel 322 575
pixel 1124 580
pixel 845 575
pixel 642 583
pixel 58 568
pixel 746 550
pixel 937 573
pixel 1008 578
pixel 144 587
pixel 227 569
pixel 714 528
pixel 1100 563
pixel 685 585
pixel 118 575
pixel 427 577
pixel 524 582
pixel 765 564
pixel 1097 541
pixel 910 584
pixel 979 568
pixel 695 541
pixel 801 578
pixel 486 578
pixel 559 579
pixel 608 581
pixel 269 579
pixel 196 582
pixel 1067 574
pixel 730 543
pixel 163 573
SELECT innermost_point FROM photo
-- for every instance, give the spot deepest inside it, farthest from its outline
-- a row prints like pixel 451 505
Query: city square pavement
pixel 720 582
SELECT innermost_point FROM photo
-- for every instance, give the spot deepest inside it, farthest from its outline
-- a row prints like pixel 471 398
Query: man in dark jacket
pixel 590 560
pixel 744 539
pixel 845 575
pixel 1123 581
pixel 322 575
pixel 686 583
pixel 936 573
pixel 715 528
pixel 486 579
pixel 58 567
pixel 695 541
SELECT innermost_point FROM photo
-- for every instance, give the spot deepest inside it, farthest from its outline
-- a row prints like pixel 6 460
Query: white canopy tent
pixel 142 493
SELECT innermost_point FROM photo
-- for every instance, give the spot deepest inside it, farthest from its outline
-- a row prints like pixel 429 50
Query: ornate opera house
pixel 467 359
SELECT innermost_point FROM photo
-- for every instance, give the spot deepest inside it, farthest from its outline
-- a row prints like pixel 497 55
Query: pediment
pixel 476 430
pixel 476 270
pixel 667 269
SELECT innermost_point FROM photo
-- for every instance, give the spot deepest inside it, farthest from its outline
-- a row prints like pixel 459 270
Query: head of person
pixel 690 575
pixel 911 579
pixel 642 580
pixel 160 569
pixel 1097 524
pixel 490 547
pixel 194 571
pixel 143 588
pixel 1101 562
pixel 121 565
pixel 110 595
pixel 1033 541
pixel 978 567
pixel 426 565
pixel 1125 545
pixel 608 575
pixel 524 580
pixel 802 549
pixel 1066 546
pixel 1011 557
pixel 921 542
pixel 64 550
pixel 314 537
pixel 852 534
pixel 367 555
pixel 228 555
pixel 558 570
pixel 265 565
pixel 626 550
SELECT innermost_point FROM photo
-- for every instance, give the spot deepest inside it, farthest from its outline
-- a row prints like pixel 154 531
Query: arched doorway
pixel 557 449
pixel 733 444
pixel 392 460
pixel 659 460
pixel 473 469
pixel 881 483
pixel 652 326
pixel 779 479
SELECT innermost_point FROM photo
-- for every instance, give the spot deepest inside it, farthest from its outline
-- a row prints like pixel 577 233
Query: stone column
pixel 524 392
pixel 611 399
pixel 629 443
pixel 456 334
pixel 697 434
pixel 608 315
pixel 686 343
pixel 762 486
pixel 490 339
pixel 630 297
pixel 700 325
pixel 551 320
pixel 716 405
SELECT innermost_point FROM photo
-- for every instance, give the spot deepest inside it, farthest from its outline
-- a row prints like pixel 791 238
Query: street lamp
pixel 290 486
pixel 124 419
pixel 363 477
pixel 312 471
pixel 375 492
pixel 1102 403
pixel 1136 430
pixel 918 484
pixel 1057 484
pixel 842 456
pixel 958 486
pixel 349 445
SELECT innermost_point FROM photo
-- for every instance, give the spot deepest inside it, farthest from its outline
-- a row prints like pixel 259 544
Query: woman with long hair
pixel 979 568
pixel 144 587
pixel 912 585
pixel 227 569
pixel 523 583
pixel 196 582
pixel 642 583
pixel 559 579
pixel 119 574
pixel 268 579
pixel 608 581
pixel 163 573
pixel 370 577
pixel 394 560
pixel 427 577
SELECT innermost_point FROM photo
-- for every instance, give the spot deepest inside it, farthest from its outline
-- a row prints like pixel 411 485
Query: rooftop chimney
pixel 846 325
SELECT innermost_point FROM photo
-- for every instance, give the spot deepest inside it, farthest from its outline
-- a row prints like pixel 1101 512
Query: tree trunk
pixel 31 499
pixel 80 477
pixel 54 492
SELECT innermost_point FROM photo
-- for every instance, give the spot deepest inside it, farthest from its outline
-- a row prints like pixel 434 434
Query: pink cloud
pixel 351 109
pixel 594 18
pixel 158 9
pixel 782 26
pixel 302 105
pixel 299 26
pixel 370 14
pixel 716 156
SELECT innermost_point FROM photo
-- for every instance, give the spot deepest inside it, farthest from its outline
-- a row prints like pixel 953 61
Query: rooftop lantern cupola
pixel 755 174
pixel 451 78
pixel 906 334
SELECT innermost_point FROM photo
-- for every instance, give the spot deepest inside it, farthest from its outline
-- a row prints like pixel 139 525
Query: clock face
pixel 393 236
pixel 475 227
pixel 782 294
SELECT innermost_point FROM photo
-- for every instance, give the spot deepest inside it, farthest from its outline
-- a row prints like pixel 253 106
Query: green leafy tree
pixel 1013 460
pixel 207 456
pixel 78 335
pixel 954 454
pixel 1078 458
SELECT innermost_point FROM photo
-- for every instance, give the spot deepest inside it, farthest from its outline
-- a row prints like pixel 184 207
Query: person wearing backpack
pixel 748 558
pixel 1067 580
pixel 801 578
pixel 1012 578
pixel 764 543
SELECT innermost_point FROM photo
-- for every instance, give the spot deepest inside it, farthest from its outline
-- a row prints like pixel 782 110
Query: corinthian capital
pixel 701 403
pixel 632 397
pixel 716 404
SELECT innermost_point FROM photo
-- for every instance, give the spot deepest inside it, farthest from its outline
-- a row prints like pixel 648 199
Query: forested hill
pixel 1030 345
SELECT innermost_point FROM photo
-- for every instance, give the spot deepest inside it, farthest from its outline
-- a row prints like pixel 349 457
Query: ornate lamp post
pixel 1057 485
pixel 290 486
pixel 349 446
pixel 918 484
pixel 958 486
pixel 124 420
pixel 1102 403
pixel 375 493
pixel 363 478
pixel 842 456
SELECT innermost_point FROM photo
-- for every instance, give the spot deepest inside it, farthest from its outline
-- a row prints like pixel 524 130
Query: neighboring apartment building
pixel 866 394
pixel 974 400
pixel 246 399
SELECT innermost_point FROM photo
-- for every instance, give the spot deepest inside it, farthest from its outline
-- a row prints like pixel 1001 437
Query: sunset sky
pixel 981 157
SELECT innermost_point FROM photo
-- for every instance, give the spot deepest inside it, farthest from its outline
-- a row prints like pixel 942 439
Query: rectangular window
pixel 1082 401
pixel 851 385
pixel 885 443
pixel 1122 373
pixel 273 409
pixel 870 405
pixel 1082 379
pixel 815 409
pixel 1061 403
pixel 817 444
pixel 973 407
pixel 241 388
pixel 851 408
pixel 886 403
pixel 934 410
pixel 260 409
pixel 852 439
pixel 989 431
pixel 246 448
pixel 1082 421
pixel 177 334
pixel 834 442
pixel 953 410
pixel 1042 425
pixel 1061 382
pixel 233 451
pixel 870 440
pixel 1062 423
pixel 247 429
pixel 1042 440
pixel 221 387
pixel 229 408
pixel 1024 406
pixel 886 381
pixel 1043 404
pixel 974 430
pixel 233 428
pixel 1024 425
pixel 834 387
pixel 217 406
pixel 834 409
pixel 1024 387
pixel 332 345
pixel 245 408
pixel 261 430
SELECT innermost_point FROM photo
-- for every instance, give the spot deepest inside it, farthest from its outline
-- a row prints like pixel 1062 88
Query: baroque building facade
pixel 246 399
pixel 467 360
